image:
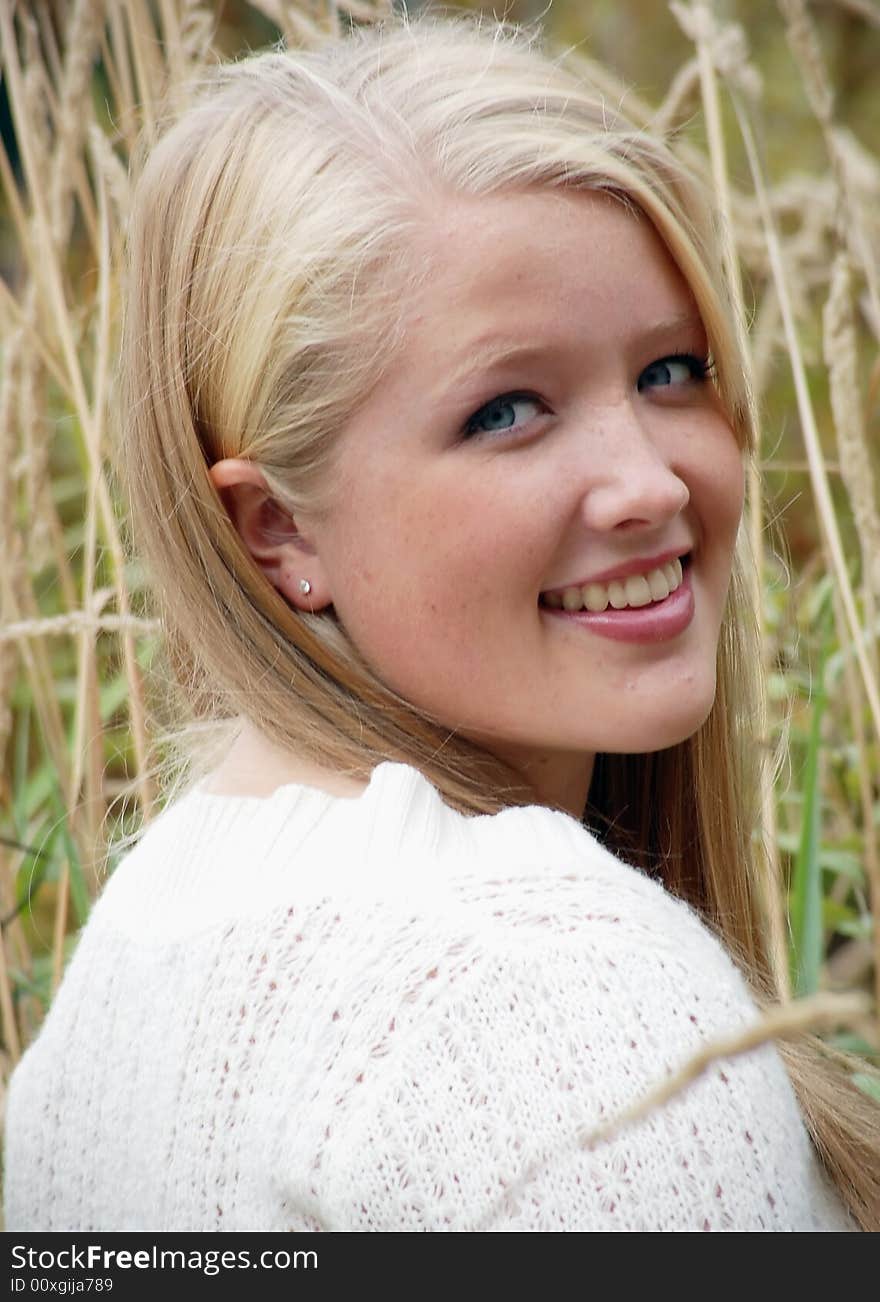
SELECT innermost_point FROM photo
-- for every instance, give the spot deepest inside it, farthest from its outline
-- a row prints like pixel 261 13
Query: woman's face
pixel 547 437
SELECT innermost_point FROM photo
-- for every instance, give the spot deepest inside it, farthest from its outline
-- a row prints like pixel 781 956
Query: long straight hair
pixel 268 274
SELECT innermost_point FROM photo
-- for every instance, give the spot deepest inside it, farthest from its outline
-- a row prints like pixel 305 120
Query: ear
pixel 270 534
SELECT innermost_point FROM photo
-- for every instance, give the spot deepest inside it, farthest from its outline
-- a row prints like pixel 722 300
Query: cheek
pixel 422 584
pixel 733 491
pixel 396 560
pixel 721 480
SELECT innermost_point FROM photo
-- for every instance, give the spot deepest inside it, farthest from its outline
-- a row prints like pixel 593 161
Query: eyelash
pixel 701 369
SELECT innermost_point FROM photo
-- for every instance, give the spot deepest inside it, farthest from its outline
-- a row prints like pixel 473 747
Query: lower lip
pixel 655 623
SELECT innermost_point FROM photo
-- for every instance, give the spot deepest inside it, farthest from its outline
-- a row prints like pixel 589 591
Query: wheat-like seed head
pixel 841 357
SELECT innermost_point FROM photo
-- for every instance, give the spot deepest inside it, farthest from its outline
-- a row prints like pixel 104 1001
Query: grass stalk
pixel 140 36
pixel 62 318
pixel 702 27
pixel 115 56
pixel 7 1007
pixel 14 205
pixel 870 854
pixel 809 428
pixel 19 319
pixel 805 907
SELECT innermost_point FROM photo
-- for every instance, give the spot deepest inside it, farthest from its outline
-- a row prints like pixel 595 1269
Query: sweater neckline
pixel 295 792
pixel 399 812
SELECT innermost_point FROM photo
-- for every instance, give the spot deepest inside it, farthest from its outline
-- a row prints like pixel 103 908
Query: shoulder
pixel 528 871
pixel 340 919
pixel 349 915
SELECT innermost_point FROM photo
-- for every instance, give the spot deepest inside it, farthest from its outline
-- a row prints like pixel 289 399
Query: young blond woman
pixel 434 432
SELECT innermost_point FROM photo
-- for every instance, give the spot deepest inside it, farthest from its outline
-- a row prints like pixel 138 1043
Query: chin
pixel 660 732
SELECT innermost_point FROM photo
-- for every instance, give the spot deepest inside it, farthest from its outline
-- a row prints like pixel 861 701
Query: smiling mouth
pixel 633 593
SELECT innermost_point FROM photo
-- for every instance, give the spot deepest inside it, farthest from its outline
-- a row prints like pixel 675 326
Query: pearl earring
pixel 305 587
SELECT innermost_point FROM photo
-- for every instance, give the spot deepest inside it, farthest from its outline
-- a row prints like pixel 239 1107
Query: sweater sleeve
pixel 473 1118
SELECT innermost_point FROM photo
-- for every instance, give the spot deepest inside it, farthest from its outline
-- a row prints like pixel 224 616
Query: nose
pixel 631 477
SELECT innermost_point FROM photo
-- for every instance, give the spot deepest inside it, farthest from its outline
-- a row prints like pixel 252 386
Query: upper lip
pixel 638 565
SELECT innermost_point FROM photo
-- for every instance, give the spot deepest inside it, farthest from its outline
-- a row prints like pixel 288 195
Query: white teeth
pixel 636 591
pixel 617 594
pixel 659 585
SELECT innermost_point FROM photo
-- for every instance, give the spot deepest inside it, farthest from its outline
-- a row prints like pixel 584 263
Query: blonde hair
pixel 268 269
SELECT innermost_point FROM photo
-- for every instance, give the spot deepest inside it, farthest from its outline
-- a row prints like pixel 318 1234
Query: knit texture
pixel 313 1013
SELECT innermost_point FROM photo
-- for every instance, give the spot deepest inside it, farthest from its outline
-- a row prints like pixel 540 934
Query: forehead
pixel 517 264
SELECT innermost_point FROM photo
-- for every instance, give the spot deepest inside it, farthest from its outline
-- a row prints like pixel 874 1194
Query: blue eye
pixel 499 415
pixel 674 371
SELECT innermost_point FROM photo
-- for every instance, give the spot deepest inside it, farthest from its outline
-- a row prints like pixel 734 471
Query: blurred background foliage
pixel 75 689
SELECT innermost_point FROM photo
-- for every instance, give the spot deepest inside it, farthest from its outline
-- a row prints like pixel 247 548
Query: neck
pixel 256 766
pixel 559 779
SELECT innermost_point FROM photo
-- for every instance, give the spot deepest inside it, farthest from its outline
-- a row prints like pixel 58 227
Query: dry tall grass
pixel 82 80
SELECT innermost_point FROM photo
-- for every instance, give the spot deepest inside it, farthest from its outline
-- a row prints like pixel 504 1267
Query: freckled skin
pixel 437 547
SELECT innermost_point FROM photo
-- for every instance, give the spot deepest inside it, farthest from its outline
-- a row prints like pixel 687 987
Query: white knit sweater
pixel 309 1012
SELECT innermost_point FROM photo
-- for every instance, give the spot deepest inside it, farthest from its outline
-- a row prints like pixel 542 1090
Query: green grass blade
pixel 79 893
pixel 869 1085
pixel 805 903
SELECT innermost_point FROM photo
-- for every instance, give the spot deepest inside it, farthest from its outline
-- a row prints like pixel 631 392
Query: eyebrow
pixel 491 353
pixel 490 357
